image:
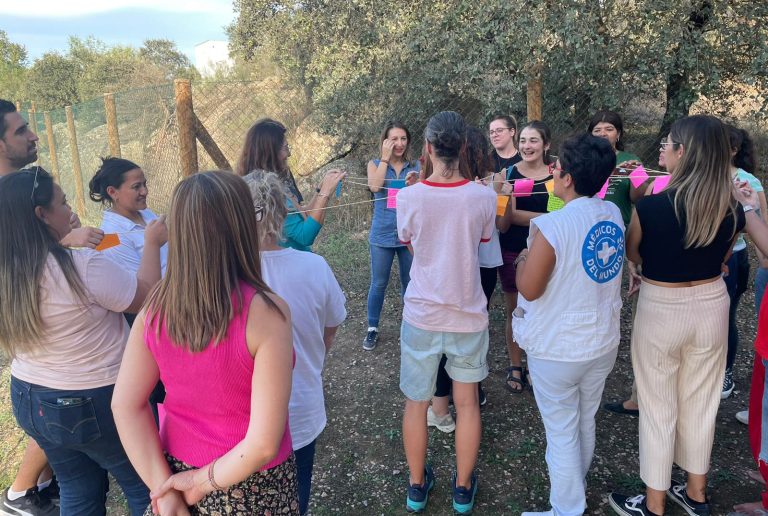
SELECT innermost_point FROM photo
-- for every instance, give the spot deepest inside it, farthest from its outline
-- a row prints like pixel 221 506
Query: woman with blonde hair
pixel 211 322
pixel 63 327
pixel 681 237
pixel 266 150
pixel 307 284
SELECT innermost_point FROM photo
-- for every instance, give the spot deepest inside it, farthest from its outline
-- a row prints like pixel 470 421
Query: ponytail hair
pixel 110 173
pixel 741 142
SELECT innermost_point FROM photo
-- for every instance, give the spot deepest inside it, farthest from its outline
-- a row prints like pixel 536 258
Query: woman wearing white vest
pixel 567 319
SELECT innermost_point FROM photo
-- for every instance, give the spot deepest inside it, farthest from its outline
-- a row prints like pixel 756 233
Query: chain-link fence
pixel 169 135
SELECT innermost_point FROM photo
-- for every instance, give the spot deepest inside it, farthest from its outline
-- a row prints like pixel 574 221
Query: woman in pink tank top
pixel 220 341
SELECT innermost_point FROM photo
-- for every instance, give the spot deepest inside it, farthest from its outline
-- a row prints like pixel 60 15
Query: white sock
pixel 45 484
pixel 15 495
pixel 373 328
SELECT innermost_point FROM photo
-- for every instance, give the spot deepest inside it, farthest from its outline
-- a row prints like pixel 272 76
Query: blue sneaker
pixel 418 495
pixel 463 498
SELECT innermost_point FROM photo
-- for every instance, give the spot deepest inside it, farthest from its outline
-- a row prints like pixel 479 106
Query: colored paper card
pixel 522 187
pixel 638 176
pixel 392 198
pixel 550 186
pixel 604 189
pixel 109 240
pixel 397 183
pixel 501 205
pixel 554 203
pixel 660 183
pixel 338 190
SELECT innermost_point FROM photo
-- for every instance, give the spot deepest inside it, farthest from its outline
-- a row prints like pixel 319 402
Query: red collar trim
pixel 446 185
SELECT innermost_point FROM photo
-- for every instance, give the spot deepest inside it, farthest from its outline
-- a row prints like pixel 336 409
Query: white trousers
pixel 568 395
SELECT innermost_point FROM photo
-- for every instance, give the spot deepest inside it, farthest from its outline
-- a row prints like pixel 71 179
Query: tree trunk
pixel 680 94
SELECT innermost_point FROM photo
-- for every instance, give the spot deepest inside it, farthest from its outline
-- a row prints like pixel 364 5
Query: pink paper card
pixel 604 189
pixel 638 176
pixel 392 198
pixel 522 187
pixel 660 183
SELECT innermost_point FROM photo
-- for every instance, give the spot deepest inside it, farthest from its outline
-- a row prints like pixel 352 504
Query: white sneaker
pixel 443 423
pixel 743 417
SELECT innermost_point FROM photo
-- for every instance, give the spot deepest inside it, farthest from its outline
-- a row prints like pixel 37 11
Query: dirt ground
pixel 360 465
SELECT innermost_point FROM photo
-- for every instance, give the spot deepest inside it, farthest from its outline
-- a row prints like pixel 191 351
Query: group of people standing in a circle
pixel 559 249
pixel 186 357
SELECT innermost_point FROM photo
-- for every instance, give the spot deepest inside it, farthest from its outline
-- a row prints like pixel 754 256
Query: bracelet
pixel 216 486
pixel 520 258
pixel 320 194
pixel 747 208
pixel 384 161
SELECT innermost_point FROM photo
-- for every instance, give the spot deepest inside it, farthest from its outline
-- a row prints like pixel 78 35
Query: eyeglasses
pixel 666 143
pixel 494 132
pixel 34 186
pixel 286 148
pixel 552 168
pixel 259 210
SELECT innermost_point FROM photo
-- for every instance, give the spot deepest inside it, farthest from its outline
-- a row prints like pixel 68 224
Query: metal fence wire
pixel 155 129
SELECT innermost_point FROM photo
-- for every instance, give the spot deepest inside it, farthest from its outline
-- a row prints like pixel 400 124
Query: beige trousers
pixel 678 355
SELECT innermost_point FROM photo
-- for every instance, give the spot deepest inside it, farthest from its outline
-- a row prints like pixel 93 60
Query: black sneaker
pixel 418 495
pixel 629 505
pixel 52 491
pixel 31 504
pixel 371 339
pixel 728 384
pixel 481 395
pixel 677 494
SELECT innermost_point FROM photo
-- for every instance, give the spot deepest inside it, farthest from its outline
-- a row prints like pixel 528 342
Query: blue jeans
pixel 305 462
pixel 77 432
pixel 381 266
pixel 761 281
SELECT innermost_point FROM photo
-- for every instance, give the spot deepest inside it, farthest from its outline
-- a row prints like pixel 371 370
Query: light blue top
pixel 743 175
pixel 384 223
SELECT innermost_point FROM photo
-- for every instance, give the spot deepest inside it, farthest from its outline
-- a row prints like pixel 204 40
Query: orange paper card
pixel 550 186
pixel 501 204
pixel 109 240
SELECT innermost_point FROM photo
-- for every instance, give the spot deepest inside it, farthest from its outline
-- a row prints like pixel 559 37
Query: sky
pixel 45 25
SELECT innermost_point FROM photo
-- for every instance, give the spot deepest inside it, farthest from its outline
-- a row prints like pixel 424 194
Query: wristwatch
pixel 747 208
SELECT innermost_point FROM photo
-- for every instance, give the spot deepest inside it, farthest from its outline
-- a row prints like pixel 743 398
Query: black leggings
pixel 737 282
pixel 488 278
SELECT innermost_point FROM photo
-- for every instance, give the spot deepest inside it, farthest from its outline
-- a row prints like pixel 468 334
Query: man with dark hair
pixel 18 144
pixel 34 490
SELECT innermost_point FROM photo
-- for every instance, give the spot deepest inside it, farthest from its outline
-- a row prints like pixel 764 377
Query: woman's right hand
pixel 192 485
pixel 331 179
pixel 170 504
pixel 635 279
pixel 387 147
pixel 156 231
pixel 745 194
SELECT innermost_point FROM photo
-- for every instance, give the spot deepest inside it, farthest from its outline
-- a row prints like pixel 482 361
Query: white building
pixel 212 56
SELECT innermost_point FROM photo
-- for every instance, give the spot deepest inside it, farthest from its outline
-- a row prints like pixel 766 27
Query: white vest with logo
pixel 578 316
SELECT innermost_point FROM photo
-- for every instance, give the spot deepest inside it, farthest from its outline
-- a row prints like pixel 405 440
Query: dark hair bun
pixel 447 132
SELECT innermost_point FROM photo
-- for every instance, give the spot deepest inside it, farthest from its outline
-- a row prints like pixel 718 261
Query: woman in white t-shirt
pixel 305 281
pixel 63 327
pixel 121 185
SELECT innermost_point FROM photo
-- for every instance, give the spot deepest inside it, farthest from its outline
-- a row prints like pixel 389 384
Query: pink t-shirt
pixel 445 223
pixel 208 394
pixel 84 342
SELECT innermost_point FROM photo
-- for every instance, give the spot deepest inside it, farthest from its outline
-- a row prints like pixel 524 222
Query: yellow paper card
pixel 501 204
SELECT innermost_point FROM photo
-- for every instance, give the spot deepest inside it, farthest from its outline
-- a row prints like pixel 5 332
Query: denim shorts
pixel 421 351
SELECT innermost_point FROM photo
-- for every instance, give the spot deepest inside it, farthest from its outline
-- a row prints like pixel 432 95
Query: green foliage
pixel 53 81
pixel 362 61
pixel 163 54
pixel 13 60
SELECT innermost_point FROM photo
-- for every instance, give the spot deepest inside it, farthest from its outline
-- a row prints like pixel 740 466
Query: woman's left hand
pixel 170 504
pixel 193 484
pixel 411 178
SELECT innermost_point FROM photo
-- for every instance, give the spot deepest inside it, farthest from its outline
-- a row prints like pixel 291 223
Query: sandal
pixel 515 380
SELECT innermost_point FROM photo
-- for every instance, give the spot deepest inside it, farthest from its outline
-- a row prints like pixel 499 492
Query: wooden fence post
pixel 112 134
pixel 51 146
pixel 18 105
pixel 76 172
pixel 534 99
pixel 33 118
pixel 185 116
